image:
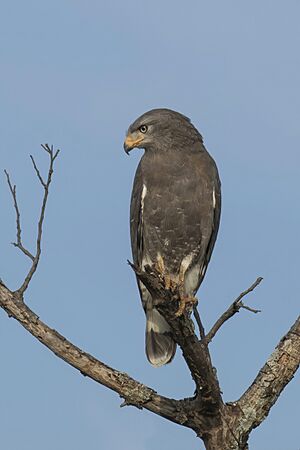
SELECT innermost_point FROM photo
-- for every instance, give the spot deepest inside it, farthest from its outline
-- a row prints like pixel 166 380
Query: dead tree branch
pixel 35 258
pixel 278 371
pixel 232 310
pixel 133 392
pixel 18 243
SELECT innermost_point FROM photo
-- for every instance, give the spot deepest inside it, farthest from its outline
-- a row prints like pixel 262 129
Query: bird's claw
pixel 186 302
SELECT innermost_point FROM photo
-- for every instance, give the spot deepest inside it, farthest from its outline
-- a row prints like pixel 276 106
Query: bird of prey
pixel 174 213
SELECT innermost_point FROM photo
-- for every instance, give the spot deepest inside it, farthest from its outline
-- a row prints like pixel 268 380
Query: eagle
pixel 174 213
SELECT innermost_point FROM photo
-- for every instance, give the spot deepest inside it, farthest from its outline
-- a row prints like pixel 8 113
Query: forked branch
pixel 46 184
pixel 232 310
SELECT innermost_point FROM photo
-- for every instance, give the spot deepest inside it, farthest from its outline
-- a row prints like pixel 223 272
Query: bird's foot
pixel 186 302
pixel 160 267
pixel 168 282
pixel 164 276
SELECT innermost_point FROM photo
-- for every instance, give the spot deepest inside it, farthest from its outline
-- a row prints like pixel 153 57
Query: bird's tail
pixel 160 347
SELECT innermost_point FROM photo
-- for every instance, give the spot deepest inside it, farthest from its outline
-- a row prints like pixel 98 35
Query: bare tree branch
pixel 38 172
pixel 232 310
pixel 18 244
pixel 35 258
pixel 133 392
pixel 278 371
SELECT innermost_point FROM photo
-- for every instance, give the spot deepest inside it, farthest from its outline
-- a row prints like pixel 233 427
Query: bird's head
pixel 158 129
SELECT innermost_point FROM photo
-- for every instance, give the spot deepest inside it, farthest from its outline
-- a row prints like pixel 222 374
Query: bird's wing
pixel 136 229
pixel 214 226
pixel 160 346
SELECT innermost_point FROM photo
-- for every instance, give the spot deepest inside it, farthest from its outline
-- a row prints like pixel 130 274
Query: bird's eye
pixel 143 128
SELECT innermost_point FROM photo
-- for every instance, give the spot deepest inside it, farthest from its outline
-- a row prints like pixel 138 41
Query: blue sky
pixel 76 74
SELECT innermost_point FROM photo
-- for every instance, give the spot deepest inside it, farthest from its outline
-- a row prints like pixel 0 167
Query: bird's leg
pixel 167 282
pixel 160 267
pixel 185 301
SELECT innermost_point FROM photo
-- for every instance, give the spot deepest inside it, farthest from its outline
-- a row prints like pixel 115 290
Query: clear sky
pixel 75 74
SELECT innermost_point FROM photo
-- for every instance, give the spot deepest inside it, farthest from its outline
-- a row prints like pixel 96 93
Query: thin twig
pixel 255 311
pixel 18 244
pixel 50 151
pixel 38 172
pixel 232 310
pixel 199 322
pixel 250 289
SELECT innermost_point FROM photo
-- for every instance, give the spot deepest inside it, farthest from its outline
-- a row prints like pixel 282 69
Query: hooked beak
pixel 132 140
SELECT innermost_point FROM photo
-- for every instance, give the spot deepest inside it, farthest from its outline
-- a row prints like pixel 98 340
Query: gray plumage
pixel 174 213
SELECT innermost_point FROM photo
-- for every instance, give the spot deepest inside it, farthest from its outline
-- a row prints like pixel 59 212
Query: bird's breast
pixel 170 211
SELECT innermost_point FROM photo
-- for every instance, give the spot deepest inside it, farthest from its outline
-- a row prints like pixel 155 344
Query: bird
pixel 174 213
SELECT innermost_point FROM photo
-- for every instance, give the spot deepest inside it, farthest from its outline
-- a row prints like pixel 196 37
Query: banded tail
pixel 160 347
